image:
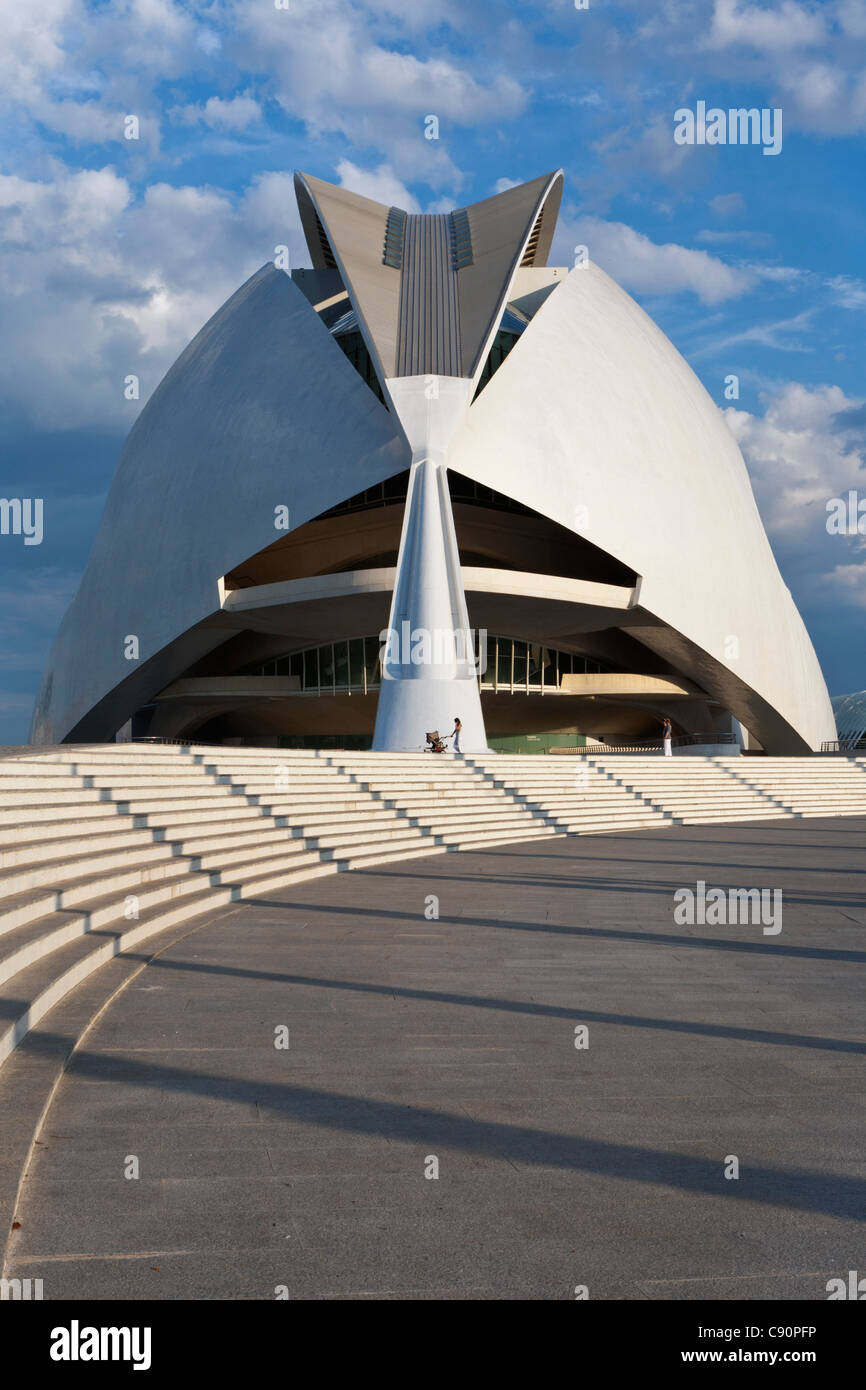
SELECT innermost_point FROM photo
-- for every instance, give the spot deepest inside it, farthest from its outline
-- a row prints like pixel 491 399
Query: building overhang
pixel 541 607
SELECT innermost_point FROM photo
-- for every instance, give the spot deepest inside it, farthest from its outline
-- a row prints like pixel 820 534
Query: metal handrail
pixel 845 746
pixel 650 745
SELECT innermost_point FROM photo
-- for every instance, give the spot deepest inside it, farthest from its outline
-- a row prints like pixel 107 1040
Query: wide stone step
pixel 616 800
pixel 454 824
pixel 86 865
pixel 214 808
pixel 419 784
pixel 727 818
pixel 646 816
pixel 613 825
pixel 407 848
pixel 28 995
pixel 71 837
pixel 67 795
pixel 763 808
pixel 418 804
pixel 481 840
pixel 730 798
pixel 61 862
pixel 157 882
pixel 37 938
pixel 38 786
pixel 54 969
pixel 29 894
pixel 13 821
pixel 149 800
pixel 400 831
pixel 67 837
pixel 53 812
pixel 513 810
pixel 33 992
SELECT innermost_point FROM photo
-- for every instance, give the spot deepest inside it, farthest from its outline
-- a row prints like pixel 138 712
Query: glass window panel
pixel 326 665
pixel 356 661
pixel 483 646
pixel 371 660
pixel 519 663
pixel 503 665
pixel 311 669
pixel 296 664
pixel 341 665
pixel 535 657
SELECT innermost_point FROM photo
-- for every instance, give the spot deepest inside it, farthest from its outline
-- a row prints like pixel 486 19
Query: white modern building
pixel 850 714
pixel 431 432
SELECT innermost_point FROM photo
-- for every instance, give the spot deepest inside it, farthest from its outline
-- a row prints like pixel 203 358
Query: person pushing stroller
pixel 436 744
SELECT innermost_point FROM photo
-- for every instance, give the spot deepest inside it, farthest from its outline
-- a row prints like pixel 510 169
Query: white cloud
pixel 712 237
pixel 32 48
pixel 381 184
pixel 444 204
pixel 806 55
pixel 852 18
pixel 647 267
pixel 789 276
pixel 78 69
pixel 847 292
pixel 236 113
pixel 807 448
pixel 782 335
pixel 849 581
pixel 327 65
pixel 209 41
pixel 95 285
pixel 728 204
pixel 787 26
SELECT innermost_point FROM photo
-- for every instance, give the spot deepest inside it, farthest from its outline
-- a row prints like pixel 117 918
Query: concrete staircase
pixel 703 790
pixel 104 847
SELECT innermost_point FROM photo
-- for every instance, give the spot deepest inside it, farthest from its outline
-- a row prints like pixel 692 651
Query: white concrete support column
pixel 428 667
pixel 428 664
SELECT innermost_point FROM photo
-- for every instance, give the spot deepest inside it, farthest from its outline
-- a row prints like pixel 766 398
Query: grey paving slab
pixel 454 1039
pixel 759 1287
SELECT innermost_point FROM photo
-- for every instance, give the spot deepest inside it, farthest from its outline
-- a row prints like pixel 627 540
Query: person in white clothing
pixel 666 735
pixel 455 734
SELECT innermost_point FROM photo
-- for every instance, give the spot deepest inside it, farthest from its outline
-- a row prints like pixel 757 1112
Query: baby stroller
pixel 434 743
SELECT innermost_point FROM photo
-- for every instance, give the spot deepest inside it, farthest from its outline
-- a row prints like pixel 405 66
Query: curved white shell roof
pixel 593 420
pixel 261 410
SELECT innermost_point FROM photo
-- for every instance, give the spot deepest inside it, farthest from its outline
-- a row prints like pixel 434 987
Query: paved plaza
pixel 287 1078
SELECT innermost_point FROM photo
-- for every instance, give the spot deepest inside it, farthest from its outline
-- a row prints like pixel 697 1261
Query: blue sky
pixel 114 252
